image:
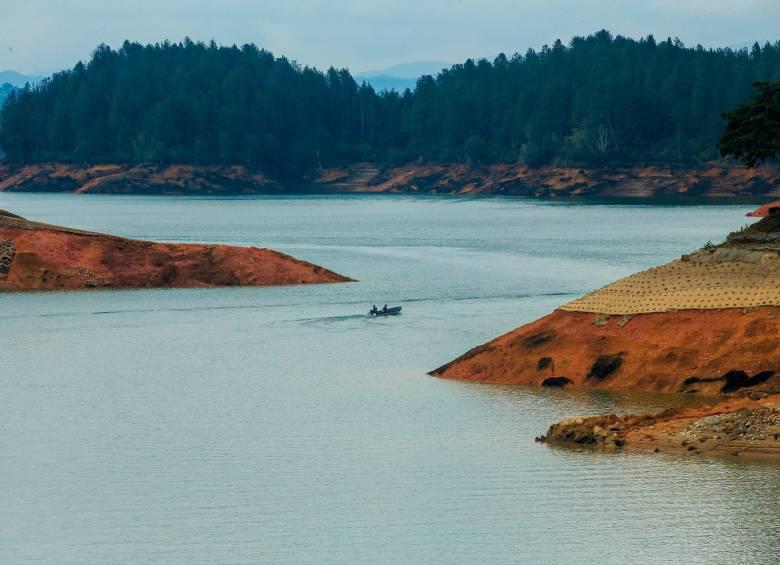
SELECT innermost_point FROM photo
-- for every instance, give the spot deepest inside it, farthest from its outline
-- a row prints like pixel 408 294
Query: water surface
pixel 283 425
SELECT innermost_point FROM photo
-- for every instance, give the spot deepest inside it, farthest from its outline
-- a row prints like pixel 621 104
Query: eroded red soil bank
pixel 708 323
pixel 711 180
pixel 765 210
pixel 706 351
pixel 139 179
pixel 36 256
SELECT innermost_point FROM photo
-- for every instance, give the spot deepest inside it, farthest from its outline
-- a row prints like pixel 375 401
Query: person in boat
pixel 373 309
pixel 384 308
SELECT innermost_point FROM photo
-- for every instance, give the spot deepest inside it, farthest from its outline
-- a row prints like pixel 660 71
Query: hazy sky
pixel 46 35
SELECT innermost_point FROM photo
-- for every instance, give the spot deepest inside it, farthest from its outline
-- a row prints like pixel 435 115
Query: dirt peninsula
pixel 37 256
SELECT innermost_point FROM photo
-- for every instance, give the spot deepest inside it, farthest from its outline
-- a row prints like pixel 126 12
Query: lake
pixel 247 425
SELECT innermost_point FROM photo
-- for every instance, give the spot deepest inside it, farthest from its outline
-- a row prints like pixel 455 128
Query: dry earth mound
pixel 37 256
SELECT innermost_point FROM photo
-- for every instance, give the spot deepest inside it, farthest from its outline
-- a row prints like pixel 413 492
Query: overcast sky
pixel 39 36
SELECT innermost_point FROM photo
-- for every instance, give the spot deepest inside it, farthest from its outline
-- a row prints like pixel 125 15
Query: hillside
pixel 598 101
pixel 18 79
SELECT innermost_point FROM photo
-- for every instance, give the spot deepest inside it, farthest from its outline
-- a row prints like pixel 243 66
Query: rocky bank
pixel 738 426
pixel 134 179
pixel 717 180
pixel 37 256
pixel 710 180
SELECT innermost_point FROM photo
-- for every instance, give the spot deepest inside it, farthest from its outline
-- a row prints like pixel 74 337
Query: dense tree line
pixel 599 100
pixel 5 90
pixel 753 129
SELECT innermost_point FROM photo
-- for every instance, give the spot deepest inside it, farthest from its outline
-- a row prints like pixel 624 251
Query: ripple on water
pixel 282 424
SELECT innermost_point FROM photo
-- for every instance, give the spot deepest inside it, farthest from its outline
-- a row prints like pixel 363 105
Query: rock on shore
pixel 737 426
pixel 36 256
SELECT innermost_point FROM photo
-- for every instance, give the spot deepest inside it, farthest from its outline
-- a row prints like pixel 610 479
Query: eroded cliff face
pixel 706 323
pixel 711 180
pixel 36 256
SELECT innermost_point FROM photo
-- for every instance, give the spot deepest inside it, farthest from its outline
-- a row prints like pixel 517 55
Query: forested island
pixel 600 102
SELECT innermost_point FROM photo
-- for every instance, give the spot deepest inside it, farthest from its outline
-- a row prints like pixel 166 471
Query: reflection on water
pixel 283 424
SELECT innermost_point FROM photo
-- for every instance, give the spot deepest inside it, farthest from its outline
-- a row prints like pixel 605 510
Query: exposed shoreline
pixel 712 180
pixel 37 256
pixel 742 426
pixel 707 323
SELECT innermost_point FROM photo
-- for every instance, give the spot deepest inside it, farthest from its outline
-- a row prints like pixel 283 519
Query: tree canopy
pixel 601 99
pixel 753 129
pixel 5 89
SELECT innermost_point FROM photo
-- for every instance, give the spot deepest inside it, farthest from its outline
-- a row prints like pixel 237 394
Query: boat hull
pixel 389 312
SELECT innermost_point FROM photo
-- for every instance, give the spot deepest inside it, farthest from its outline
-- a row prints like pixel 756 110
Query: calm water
pixel 283 425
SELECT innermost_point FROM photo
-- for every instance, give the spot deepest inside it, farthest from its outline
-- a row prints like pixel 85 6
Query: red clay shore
pixel 134 179
pixel 701 351
pixel 708 323
pixel 36 256
pixel 765 210
pixel 717 179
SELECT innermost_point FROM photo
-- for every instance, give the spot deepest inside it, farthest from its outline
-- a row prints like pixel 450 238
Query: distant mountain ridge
pixel 11 80
pixel 409 70
pixel 402 76
pixel 17 79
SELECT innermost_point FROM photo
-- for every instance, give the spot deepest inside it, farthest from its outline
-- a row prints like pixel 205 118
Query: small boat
pixel 385 312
